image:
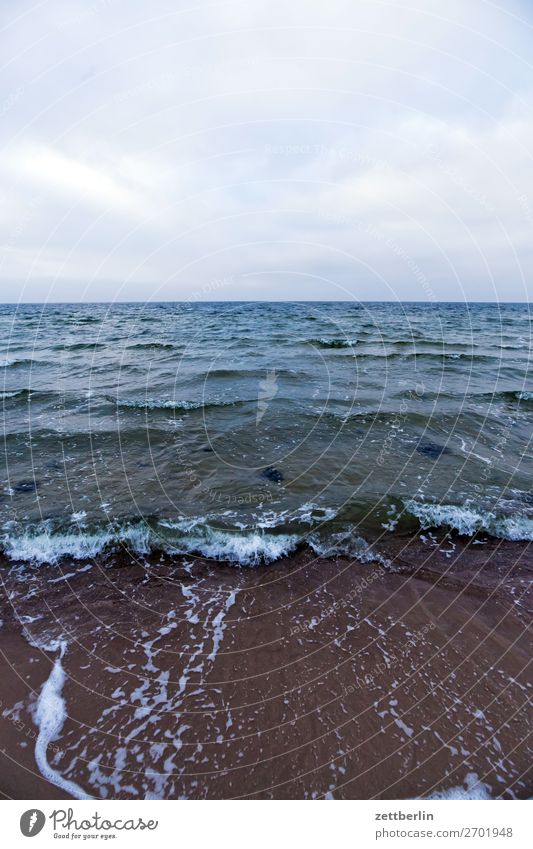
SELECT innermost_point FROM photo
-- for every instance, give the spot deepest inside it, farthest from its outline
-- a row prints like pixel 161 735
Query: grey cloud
pixel 347 149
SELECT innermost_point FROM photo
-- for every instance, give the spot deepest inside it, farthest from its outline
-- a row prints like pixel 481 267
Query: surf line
pixel 50 716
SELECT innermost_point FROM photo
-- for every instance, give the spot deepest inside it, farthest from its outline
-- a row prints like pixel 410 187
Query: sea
pixel 243 431
pixel 266 550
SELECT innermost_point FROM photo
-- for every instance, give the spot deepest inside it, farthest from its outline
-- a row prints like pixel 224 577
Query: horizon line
pixel 254 301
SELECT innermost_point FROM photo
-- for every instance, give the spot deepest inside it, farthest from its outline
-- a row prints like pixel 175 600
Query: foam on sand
pixel 50 715
pixel 473 788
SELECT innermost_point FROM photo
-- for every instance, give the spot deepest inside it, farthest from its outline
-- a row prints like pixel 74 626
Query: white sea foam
pixel 247 549
pixel 157 404
pixel 468 520
pixel 219 626
pixel 167 404
pixel 346 544
pixel 307 514
pixel 334 343
pixel 472 788
pixel 246 546
pixel 50 715
pixel 14 394
pixel 43 545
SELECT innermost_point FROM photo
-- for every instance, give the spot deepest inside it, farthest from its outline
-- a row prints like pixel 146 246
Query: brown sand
pixel 319 677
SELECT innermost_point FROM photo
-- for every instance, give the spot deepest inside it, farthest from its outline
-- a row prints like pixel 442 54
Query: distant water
pixel 240 430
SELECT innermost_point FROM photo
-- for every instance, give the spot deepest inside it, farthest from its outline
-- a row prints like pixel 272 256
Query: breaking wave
pixel 16 393
pixel 468 521
pixel 147 346
pixel 273 537
pixel 42 544
pixel 332 343
pixel 168 404
pixel 22 361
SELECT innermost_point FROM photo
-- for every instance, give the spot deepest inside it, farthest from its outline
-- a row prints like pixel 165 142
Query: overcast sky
pixel 266 149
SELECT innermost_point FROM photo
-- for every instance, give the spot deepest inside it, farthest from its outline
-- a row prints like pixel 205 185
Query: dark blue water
pixel 240 430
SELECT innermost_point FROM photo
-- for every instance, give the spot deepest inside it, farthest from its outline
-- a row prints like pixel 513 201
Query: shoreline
pixel 306 678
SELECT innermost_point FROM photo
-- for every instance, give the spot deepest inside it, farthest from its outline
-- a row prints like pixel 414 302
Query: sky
pixel 266 150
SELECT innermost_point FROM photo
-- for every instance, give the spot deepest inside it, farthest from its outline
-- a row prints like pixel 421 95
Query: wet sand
pixel 308 678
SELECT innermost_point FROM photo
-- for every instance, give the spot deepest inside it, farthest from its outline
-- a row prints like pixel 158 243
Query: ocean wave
pixel 82 346
pixel 418 341
pixel 443 355
pixel 401 351
pixel 345 544
pixel 468 521
pixel 307 514
pixel 169 404
pixel 250 548
pixel 250 545
pixel 146 346
pixel 16 393
pixel 57 397
pixel 331 343
pixel 44 544
pixel 154 404
pixel 257 373
pixel 23 361
pixel 510 396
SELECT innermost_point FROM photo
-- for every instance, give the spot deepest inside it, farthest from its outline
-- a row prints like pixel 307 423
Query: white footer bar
pixel 270 824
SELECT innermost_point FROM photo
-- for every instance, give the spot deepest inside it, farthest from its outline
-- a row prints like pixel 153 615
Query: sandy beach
pixel 308 678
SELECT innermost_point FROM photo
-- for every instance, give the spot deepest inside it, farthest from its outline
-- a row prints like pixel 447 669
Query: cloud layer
pixel 256 150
